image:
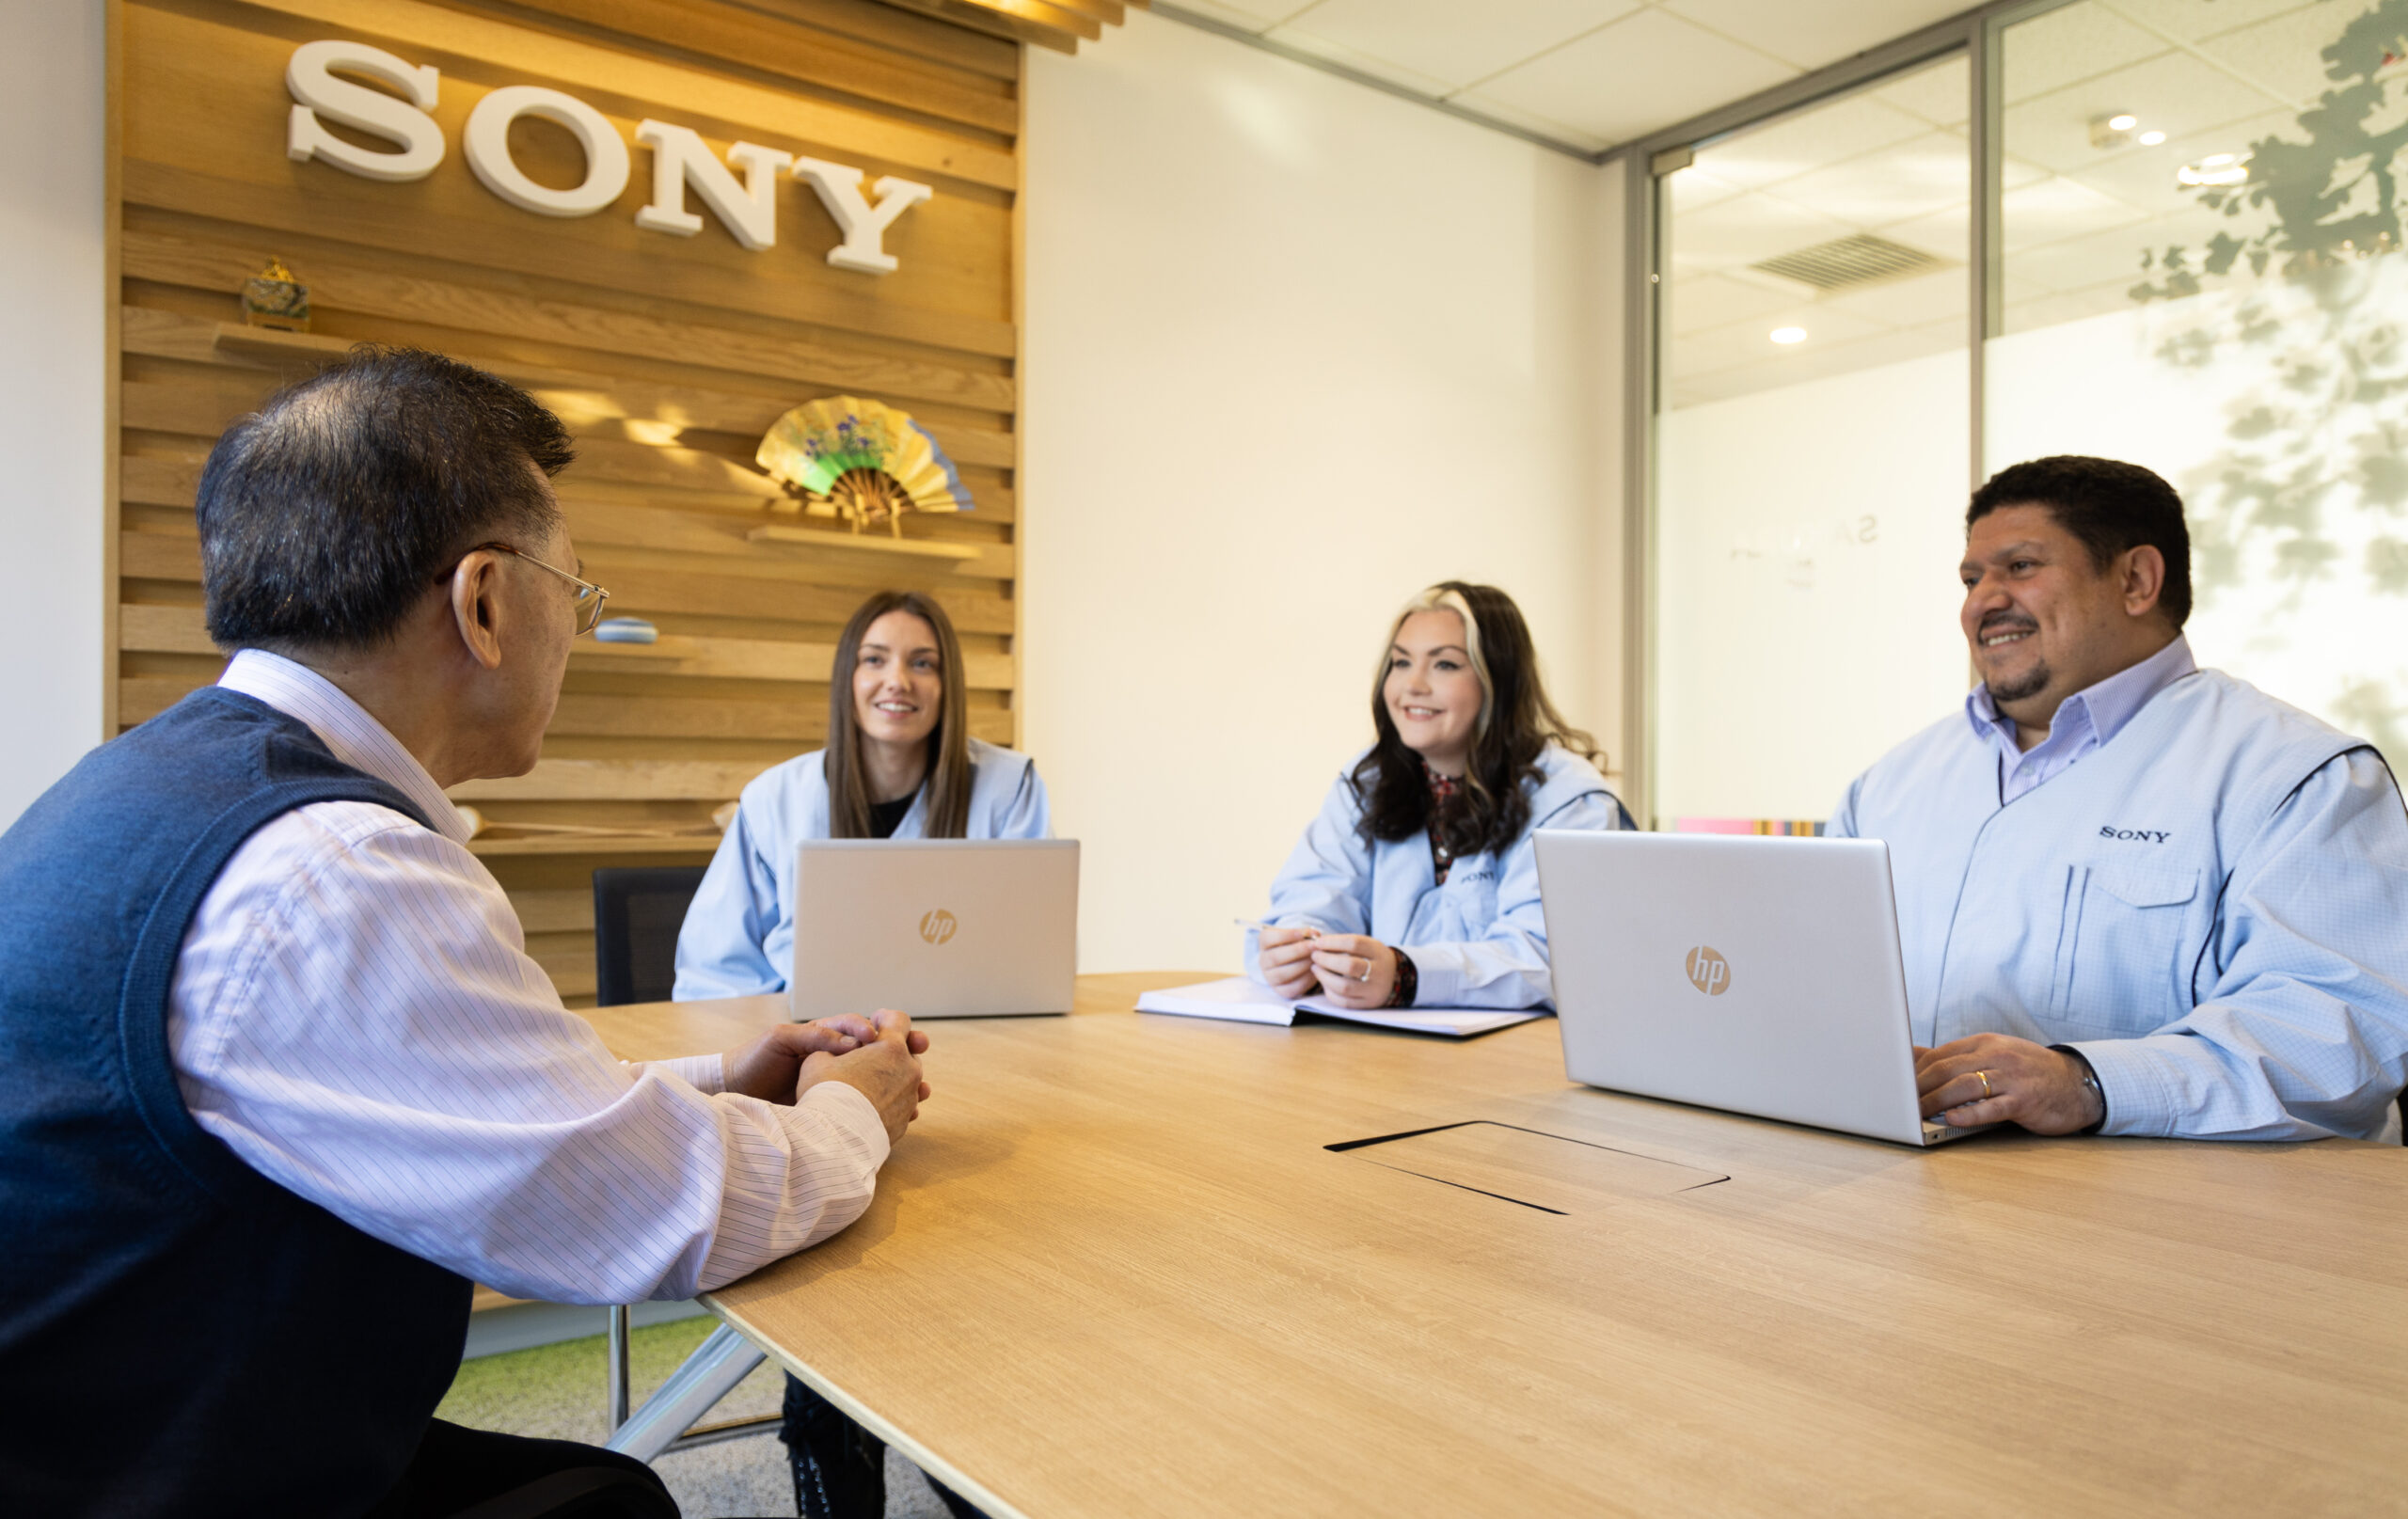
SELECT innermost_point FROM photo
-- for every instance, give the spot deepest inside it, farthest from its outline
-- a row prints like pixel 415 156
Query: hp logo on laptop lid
pixel 1708 971
pixel 938 926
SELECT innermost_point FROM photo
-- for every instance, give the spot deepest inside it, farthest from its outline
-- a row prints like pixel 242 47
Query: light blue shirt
pixel 2085 720
pixel 2212 905
pixel 1478 941
pixel 739 937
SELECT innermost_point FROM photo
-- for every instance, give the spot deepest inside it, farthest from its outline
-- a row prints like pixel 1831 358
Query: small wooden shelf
pixel 276 346
pixel 772 533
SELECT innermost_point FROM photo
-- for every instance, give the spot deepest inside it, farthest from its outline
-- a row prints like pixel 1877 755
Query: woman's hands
pixel 1355 971
pixel 1351 970
pixel 1284 959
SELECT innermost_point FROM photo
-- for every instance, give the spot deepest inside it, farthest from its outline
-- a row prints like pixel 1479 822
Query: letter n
pixel 680 158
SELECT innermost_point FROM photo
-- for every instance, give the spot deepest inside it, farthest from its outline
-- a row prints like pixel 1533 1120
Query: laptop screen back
pixel 937 928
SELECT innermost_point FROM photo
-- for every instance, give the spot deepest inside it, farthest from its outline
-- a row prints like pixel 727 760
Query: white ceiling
pixel 1893 159
pixel 2214 75
pixel 1592 74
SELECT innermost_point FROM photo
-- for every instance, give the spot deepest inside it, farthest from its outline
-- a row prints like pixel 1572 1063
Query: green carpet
pixel 557 1390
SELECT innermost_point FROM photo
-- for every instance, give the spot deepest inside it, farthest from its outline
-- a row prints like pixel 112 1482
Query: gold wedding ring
pixel 1986 1093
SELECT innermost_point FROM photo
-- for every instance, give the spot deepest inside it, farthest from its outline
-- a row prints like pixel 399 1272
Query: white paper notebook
pixel 1241 1001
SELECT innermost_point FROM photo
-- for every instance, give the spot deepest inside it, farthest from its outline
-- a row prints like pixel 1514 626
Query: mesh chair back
pixel 637 914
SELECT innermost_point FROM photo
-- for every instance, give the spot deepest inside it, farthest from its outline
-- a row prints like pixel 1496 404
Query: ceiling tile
pixel 2195 21
pixel 2056 209
pixel 1809 140
pixel 1941 93
pixel 1747 229
pixel 1378 68
pixel 2284 57
pixel 2063 47
pixel 1446 39
pixel 1812 34
pixel 1694 188
pixel 1895 183
pixel 2174 93
pixel 1640 74
pixel 1943 234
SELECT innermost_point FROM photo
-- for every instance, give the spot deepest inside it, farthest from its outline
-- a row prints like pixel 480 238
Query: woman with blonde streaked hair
pixel 1417 884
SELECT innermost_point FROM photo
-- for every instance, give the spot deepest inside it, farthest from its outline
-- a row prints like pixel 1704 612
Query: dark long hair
pixel 1516 723
pixel 948 780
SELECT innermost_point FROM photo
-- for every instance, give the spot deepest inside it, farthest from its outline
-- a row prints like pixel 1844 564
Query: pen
pixel 1257 923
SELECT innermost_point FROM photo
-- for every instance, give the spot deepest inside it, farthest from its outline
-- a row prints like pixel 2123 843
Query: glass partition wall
pixel 2162 231
pixel 1811 436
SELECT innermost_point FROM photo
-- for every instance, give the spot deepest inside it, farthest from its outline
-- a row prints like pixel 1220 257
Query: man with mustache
pixel 2135 896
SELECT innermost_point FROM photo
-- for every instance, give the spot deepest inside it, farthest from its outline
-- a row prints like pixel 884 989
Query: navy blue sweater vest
pixel 178 1333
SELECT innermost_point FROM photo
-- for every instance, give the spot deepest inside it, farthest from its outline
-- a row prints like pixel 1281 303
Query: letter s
pixel 309 79
pixel 2106 833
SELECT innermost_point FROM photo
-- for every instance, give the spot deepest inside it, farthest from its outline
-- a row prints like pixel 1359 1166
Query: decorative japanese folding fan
pixel 861 460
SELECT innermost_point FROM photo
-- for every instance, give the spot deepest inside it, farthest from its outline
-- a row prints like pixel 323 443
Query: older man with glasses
pixel 282 1079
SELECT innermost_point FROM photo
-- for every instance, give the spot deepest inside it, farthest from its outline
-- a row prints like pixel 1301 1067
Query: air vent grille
pixel 1860 259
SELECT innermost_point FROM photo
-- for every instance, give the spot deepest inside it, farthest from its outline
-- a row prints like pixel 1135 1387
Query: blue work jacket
pixel 1479 941
pixel 739 937
pixel 2212 906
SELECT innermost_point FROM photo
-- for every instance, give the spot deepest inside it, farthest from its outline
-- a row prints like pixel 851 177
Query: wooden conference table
pixel 1116 1270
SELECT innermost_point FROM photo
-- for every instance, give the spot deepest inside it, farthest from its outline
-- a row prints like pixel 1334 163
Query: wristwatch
pixel 1408 982
pixel 2090 1082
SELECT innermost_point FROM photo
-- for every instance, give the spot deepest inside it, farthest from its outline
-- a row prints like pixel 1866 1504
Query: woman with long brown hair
pixel 1419 883
pixel 899 763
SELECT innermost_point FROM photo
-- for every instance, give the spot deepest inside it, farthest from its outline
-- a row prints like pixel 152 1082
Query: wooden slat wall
pixel 668 357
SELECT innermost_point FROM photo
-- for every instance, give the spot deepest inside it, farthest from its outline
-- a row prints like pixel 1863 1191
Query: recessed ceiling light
pixel 2214 169
pixel 2150 140
pixel 2114 129
pixel 1788 334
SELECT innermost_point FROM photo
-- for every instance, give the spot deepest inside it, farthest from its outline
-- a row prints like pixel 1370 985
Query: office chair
pixel 637 914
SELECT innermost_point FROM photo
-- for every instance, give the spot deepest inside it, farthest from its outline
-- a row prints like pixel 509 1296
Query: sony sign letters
pixel 680 160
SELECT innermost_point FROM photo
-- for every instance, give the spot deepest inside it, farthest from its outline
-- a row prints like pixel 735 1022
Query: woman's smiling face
pixel 899 681
pixel 1434 696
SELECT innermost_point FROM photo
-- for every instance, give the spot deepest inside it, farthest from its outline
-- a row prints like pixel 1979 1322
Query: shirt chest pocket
pixel 2123 951
pixel 1459 910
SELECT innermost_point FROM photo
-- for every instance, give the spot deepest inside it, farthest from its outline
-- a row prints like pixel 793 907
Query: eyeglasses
pixel 590 597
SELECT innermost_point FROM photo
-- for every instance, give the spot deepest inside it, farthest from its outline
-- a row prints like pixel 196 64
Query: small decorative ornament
pixel 625 630
pixel 273 299
pixel 859 460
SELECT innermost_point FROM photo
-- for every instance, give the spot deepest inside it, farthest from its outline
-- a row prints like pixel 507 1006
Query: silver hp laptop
pixel 937 928
pixel 1754 974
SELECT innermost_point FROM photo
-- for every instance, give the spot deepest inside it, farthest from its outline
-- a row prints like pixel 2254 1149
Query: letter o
pixel 487 144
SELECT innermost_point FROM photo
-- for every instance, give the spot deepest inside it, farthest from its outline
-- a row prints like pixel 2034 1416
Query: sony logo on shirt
pixel 2141 834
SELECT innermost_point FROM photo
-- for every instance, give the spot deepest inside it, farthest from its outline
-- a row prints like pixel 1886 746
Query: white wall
pixel 53 386
pixel 1293 350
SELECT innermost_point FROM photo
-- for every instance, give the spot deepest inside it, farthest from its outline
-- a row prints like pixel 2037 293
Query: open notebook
pixel 1247 1002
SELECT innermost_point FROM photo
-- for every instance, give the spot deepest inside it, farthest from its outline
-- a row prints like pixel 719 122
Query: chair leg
pixel 708 1375
pixel 616 1370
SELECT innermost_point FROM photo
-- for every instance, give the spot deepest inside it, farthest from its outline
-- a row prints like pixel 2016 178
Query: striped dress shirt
pixel 354 1015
